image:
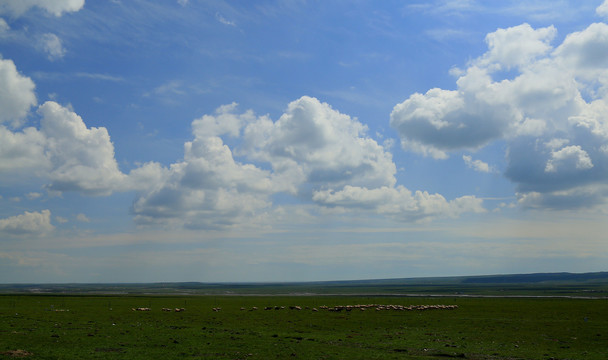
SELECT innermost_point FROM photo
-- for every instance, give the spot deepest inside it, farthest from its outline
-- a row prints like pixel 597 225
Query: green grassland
pixel 106 327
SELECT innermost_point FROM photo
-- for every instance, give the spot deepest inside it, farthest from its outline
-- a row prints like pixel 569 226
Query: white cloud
pixel 16 93
pixel 445 120
pixel 556 143
pixel 569 157
pixel 602 10
pixel 482 109
pixel 69 155
pixel 81 159
pixel 52 46
pixel 208 189
pixel 533 96
pixel 314 152
pixel 224 122
pixel 398 202
pixel 476 165
pixel 22 151
pixel 4 27
pixel 516 46
pixel 182 2
pixel 584 54
pixel 29 223
pixel 580 197
pixel 309 150
pixel 103 77
pixel 55 7
pixel 315 144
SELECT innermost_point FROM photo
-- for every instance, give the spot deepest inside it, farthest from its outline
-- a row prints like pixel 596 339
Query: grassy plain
pixel 105 327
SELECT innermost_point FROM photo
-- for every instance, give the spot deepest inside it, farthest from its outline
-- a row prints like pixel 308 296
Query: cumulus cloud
pixel 28 223
pixel 548 103
pixel 71 156
pixel 315 144
pixel 516 46
pixel 443 120
pixel 16 93
pixel 22 151
pixel 81 159
pixel 313 151
pixel 570 157
pixel 602 10
pixel 209 189
pixel 481 109
pixel 55 7
pixel 399 202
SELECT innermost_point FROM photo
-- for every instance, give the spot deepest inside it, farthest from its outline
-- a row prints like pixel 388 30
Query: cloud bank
pixel 312 152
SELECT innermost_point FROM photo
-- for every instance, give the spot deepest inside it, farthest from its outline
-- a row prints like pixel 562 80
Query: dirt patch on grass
pixel 17 353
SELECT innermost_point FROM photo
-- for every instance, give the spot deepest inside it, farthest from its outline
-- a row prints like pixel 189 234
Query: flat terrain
pixel 106 327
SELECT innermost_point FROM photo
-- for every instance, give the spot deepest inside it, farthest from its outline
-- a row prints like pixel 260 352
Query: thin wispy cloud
pixel 103 77
pixel 223 20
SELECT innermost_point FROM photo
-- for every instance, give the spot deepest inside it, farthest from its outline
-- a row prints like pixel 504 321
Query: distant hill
pixel 540 284
pixel 536 278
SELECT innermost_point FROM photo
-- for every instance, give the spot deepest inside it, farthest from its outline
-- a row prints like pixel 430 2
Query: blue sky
pixel 192 140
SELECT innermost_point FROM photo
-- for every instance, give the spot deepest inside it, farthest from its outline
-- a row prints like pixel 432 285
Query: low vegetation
pixel 239 327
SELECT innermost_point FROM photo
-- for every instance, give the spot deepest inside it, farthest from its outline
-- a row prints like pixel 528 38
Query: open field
pixel 106 327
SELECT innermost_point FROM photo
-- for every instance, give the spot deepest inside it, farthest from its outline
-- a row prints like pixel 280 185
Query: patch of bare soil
pixel 17 353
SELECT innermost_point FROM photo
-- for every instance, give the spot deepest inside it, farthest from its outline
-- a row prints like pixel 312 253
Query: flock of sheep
pixel 363 307
pixel 164 309
pixel 337 308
